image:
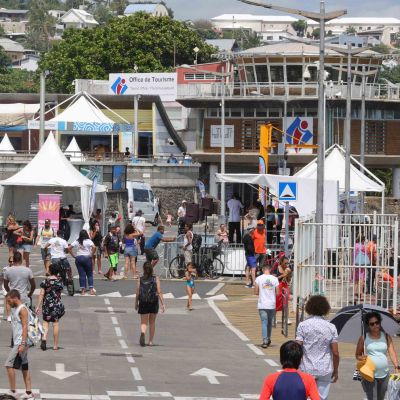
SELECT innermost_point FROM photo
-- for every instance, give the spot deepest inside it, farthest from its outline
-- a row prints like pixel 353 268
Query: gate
pixel 359 260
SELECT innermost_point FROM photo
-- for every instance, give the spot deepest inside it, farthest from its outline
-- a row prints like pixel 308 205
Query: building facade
pixel 156 10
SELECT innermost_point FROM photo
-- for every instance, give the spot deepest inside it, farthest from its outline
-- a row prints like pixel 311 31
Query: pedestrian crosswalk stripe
pixel 113 294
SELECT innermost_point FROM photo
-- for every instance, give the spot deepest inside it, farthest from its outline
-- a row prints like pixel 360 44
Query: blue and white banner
pixel 202 189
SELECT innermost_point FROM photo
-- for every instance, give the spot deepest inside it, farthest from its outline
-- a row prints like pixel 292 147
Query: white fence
pixel 345 276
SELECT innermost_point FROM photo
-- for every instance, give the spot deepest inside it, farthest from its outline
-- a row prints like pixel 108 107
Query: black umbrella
pixel 350 324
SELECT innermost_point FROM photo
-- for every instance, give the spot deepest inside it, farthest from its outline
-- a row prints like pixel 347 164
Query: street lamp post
pixel 223 75
pixel 43 76
pixel 320 17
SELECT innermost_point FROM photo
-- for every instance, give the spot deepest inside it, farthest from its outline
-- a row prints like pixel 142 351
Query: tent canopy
pixel 50 168
pixel 335 166
pixel 6 147
pixel 74 151
pixel 83 110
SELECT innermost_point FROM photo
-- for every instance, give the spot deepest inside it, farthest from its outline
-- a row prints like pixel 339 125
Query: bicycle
pixel 205 261
pixel 66 276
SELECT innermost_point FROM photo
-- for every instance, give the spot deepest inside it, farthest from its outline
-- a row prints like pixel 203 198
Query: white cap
pixel 183 201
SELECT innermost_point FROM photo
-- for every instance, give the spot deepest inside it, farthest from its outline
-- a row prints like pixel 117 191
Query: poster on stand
pixel 49 208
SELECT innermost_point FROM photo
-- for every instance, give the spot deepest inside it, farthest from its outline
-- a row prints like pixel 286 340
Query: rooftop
pixel 5 10
pixel 250 17
pixel 81 14
pixel 359 20
pixel 222 44
pixel 11 45
pixel 132 8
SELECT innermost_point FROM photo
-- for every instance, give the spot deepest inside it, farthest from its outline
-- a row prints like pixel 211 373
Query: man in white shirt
pixel 58 249
pixel 139 223
pixel 182 210
pixel 267 288
pixel 234 205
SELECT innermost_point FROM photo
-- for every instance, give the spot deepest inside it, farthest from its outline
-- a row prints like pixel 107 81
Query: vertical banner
pixel 93 195
pixel 261 170
pixel 202 189
pixel 49 208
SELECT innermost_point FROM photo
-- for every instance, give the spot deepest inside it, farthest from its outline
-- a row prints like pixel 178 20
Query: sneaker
pixel 252 286
pixel 248 285
pixel 9 318
pixel 27 396
pixel 14 394
pixel 289 322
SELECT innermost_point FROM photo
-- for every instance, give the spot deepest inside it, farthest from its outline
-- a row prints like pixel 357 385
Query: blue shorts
pixel 130 252
pixel 26 248
pixel 11 244
pixel 251 261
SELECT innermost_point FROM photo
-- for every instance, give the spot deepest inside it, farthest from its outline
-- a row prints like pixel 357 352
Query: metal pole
pixel 348 131
pixel 286 228
pixel 135 139
pixel 29 144
pixel 362 149
pixel 284 130
pixel 321 140
pixel 42 106
pixel 223 146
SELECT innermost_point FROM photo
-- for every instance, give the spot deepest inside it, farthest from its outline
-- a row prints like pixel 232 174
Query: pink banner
pixel 49 208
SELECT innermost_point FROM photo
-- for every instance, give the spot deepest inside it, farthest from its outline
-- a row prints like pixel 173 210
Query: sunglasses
pixel 377 323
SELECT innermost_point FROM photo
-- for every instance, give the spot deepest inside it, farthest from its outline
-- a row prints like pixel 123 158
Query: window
pixel 270 38
pixel 312 112
pixel 151 196
pixel 280 37
pixel 191 76
pixel 140 195
pixel 249 112
pixel 354 113
pixel 276 73
pixel 262 73
pixel 370 114
pixel 396 114
pixel 294 73
pixel 213 112
pixel 250 74
pixel 236 112
pixel 375 137
pixel 271 25
pixel 299 112
pixel 156 13
pixel 274 113
pixel 261 112
pixel 389 114
pixel 360 28
pixel 174 112
pixel 359 45
pixel 392 29
pixel 369 28
pixel 341 27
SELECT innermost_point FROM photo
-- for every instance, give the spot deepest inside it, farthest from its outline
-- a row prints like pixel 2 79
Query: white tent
pixel 49 171
pixel 335 165
pixel 74 151
pixel 6 147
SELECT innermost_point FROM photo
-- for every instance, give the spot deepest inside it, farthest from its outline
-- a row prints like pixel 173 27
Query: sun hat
pixel 367 369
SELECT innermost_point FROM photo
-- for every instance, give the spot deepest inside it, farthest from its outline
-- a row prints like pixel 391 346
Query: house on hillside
pixel 8 15
pixel 156 10
pixel 56 13
pixel 77 18
pixel 14 49
pixel 29 63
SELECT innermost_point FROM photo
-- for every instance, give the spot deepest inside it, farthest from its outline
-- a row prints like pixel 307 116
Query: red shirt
pixel 259 241
pixel 290 384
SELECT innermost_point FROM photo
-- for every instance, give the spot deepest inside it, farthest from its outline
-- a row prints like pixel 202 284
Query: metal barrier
pixel 299 311
pixel 285 312
pixel 351 271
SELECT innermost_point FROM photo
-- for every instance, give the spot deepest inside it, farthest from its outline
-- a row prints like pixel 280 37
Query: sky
pixel 207 9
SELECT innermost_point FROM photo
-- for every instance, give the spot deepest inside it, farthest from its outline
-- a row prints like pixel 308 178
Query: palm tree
pixel 41 22
pixel 351 29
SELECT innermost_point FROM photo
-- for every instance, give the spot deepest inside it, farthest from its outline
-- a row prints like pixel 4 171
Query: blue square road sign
pixel 287 191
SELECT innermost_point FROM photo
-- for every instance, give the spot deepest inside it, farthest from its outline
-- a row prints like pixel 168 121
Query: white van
pixel 141 197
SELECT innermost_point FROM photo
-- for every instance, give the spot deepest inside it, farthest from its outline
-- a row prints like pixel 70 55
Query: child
pixel 10 261
pixel 169 218
pixel 191 275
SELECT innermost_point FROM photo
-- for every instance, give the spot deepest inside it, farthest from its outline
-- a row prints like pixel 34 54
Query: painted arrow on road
pixel 60 372
pixel 209 374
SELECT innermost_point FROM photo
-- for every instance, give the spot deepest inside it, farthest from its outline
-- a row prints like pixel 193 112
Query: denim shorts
pixel 26 248
pixel 44 256
pixel 251 261
pixel 11 244
pixel 130 252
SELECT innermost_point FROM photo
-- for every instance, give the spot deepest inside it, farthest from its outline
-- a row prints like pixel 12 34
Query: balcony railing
pixel 290 90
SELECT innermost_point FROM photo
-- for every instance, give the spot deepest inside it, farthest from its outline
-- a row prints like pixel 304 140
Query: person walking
pixel 283 274
pixel 96 238
pixel 371 251
pixel 190 275
pixel 148 295
pixel 182 211
pixel 250 254
pixel 187 244
pixel 259 243
pixel 131 239
pixel 44 235
pixel 18 358
pixel 290 384
pixel 139 222
pixel 53 308
pixel 152 243
pixel 234 205
pixel 374 345
pixel 18 278
pixel 83 260
pixel 111 249
pixel 319 340
pixel 24 241
pixel 266 288
pixel 3 289
pixel 11 239
pixel 169 218
pixel 361 258
pixel 270 223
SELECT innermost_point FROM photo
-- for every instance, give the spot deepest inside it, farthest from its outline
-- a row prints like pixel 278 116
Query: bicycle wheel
pixel 216 269
pixel 177 267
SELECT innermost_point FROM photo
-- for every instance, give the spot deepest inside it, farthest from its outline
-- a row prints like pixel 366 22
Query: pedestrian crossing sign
pixel 287 191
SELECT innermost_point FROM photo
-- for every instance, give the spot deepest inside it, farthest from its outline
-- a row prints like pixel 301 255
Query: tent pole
pixel 383 200
pixel 29 141
pixel 112 142
pixel 109 109
pixel 57 105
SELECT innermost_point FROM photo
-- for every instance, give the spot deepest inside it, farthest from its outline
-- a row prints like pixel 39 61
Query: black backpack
pixel 196 242
pixel 148 291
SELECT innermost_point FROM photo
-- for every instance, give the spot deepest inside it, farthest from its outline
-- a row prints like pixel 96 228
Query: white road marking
pixel 209 374
pixel 107 301
pixel 168 296
pixel 136 374
pixel 250 396
pixel 142 392
pixel 118 331
pixel 225 321
pixel 1 310
pixel 217 288
pixel 111 310
pixel 60 372
pixel 272 363
pixel 114 320
pixel 130 358
pixel 74 396
pixel 194 297
pixel 218 297
pixel 132 296
pixel 256 350
pixel 123 344
pixel 113 294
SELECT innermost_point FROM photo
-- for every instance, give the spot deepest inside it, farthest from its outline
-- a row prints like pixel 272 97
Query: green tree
pixel 42 23
pixel 101 13
pixel 33 41
pixel 5 61
pixel 300 27
pixel 207 34
pixel 117 47
pixel 391 74
pixel 72 4
pixel 315 33
pixel 350 29
pixel 202 24
pixel 119 6
pixel 381 48
pixel 18 81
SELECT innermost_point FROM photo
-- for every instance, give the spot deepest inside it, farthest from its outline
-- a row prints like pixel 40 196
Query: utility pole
pixel 43 75
pixel 348 130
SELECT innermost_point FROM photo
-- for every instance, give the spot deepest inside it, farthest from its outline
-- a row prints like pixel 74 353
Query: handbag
pixel 362 259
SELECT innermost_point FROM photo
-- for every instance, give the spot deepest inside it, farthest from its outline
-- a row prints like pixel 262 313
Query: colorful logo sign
pixel 300 131
pixel 49 208
pixel 119 86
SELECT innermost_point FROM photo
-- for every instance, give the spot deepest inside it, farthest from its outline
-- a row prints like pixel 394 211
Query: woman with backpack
pixel 148 295
pixel 53 308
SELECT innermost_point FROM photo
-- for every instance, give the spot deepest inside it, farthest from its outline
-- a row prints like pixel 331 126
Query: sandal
pixel 43 345
pixel 265 346
pixel 99 272
pixel 151 344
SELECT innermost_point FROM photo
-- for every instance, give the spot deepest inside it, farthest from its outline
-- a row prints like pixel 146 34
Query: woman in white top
pixel 83 260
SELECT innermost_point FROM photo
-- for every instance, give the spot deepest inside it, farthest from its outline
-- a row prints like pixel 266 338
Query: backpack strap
pixel 18 310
